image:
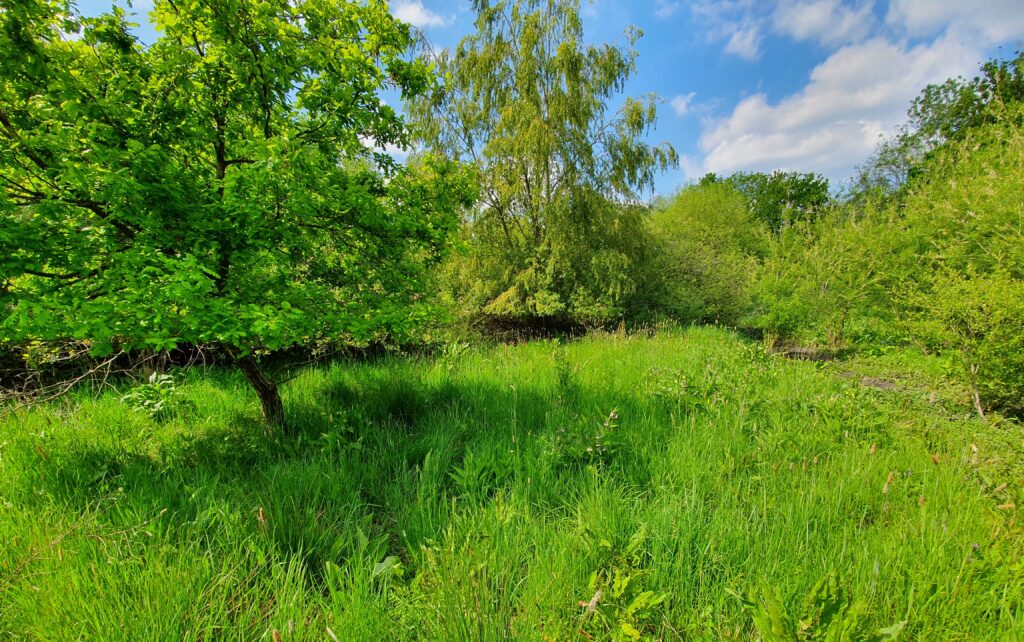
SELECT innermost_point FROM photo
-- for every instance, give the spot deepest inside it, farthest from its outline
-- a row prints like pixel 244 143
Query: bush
pixel 965 235
pixel 706 248
pixel 968 216
pixel 982 319
pixel 587 270
pixel 820 278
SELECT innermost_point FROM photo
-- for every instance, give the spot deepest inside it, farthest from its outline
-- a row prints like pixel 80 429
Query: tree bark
pixel 266 390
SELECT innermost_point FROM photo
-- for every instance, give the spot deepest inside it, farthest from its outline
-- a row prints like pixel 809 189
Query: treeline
pixel 924 247
pixel 265 216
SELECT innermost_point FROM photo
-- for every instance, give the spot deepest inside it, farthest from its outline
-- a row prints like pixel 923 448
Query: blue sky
pixel 806 85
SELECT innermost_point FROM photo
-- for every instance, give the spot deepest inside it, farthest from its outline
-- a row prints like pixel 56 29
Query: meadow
pixel 669 485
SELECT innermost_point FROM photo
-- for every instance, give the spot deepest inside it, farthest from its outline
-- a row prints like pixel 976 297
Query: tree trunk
pixel 266 390
pixel 974 391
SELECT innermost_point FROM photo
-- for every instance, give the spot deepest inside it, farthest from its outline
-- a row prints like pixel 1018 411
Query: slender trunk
pixel 975 395
pixel 977 401
pixel 266 390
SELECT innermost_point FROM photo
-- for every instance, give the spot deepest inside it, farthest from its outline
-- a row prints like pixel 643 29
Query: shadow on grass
pixel 355 461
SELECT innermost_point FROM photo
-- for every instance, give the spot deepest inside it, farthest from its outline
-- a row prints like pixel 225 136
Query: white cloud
pixel 745 42
pixel 667 9
pixel 413 12
pixel 400 154
pixel 830 22
pixel 732 21
pixel 859 93
pixel 994 20
pixel 681 104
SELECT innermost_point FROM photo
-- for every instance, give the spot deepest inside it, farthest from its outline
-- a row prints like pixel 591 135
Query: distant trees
pixel 779 198
pixel 783 198
pixel 557 232
pixel 218 186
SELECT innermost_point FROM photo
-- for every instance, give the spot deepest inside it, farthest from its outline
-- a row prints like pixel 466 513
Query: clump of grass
pixel 456 499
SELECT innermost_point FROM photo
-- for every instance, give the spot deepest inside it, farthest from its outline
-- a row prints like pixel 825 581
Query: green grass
pixel 456 499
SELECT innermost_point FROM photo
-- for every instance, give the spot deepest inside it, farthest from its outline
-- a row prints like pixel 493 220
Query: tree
pixel 947 111
pixel 706 254
pixel 961 231
pixel 941 114
pixel 530 104
pixel 780 198
pixel 219 186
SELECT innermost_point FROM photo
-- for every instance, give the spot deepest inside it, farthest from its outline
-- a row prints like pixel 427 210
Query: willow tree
pixel 563 160
pixel 217 186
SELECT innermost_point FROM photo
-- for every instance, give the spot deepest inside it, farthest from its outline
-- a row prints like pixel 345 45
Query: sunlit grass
pixel 481 496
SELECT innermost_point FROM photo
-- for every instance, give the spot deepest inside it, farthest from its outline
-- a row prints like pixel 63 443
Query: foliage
pixel 941 114
pixel 817 276
pixel 942 265
pixel 828 615
pixel 982 320
pixel 590 276
pixel 779 198
pixel 556 233
pixel 888 171
pixel 948 111
pixel 218 185
pixel 620 607
pixel 965 238
pixel 705 247
pixel 967 216
pixel 156 397
pixel 583 444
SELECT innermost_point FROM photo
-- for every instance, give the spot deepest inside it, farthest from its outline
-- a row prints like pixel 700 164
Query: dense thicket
pixel 935 258
pixel 940 263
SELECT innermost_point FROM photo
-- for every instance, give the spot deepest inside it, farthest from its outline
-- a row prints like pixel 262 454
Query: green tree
pixel 555 233
pixel 706 250
pixel 780 198
pixel 941 114
pixel 218 186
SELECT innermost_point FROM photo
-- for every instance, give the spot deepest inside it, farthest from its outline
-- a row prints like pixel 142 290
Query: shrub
pixel 156 398
pixel 965 237
pixel 705 254
pixel 818 277
pixel 982 319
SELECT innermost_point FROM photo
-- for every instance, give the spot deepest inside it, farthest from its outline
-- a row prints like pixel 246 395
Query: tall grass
pixel 614 487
